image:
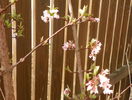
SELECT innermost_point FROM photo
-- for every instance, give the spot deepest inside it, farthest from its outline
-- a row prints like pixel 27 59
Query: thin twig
pixel 129 70
pixel 77 72
pixel 5 8
pixel 2 93
pixel 36 47
pixel 122 92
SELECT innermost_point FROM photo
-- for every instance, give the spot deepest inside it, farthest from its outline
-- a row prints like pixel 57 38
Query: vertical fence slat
pixel 33 44
pixel 64 56
pixel 98 26
pixel 118 47
pixel 87 38
pixel 112 41
pixel 14 49
pixel 113 33
pixel 125 46
pixel 50 54
pixel 128 22
pixel 106 31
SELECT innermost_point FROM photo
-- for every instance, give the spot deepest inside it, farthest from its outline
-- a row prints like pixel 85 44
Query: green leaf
pixel 81 96
pixel 87 76
pixel 95 71
pixel 3 16
pixel 7 23
pixel 83 11
pixel 92 66
pixel 68 69
pixel 92 96
pixel 20 29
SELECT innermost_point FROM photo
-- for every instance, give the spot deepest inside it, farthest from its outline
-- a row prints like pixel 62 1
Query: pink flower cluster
pixel 100 81
pixel 95 47
pixel 50 14
pixel 67 92
pixel 105 82
pixel 96 20
pixel 68 45
pixel 92 85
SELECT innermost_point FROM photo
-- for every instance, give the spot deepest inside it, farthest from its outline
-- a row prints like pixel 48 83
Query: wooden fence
pixel 42 76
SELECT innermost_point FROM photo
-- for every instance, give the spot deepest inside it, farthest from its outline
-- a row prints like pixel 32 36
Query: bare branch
pixel 123 91
pixel 36 47
pixel 5 8
pixel 77 52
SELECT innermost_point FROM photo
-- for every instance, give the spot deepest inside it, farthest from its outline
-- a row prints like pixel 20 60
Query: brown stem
pixel 77 53
pixel 2 71
pixel 40 44
pixel 34 49
pixel 5 64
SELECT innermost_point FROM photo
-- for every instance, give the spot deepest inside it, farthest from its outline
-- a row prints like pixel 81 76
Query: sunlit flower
pixel 52 13
pixel 107 91
pixel 105 72
pixel 102 81
pixel 97 20
pixel 92 86
pixel 105 82
pixel 67 92
pixel 95 47
pixel 92 56
pixel 68 46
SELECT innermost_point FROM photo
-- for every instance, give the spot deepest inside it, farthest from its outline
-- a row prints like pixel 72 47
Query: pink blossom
pixel 47 14
pixel 54 11
pixel 107 91
pixel 92 56
pixel 105 82
pixel 95 47
pixel 68 46
pixel 97 20
pixel 105 72
pixel 92 86
pixel 45 19
pixel 101 80
pixel 56 16
pixel 67 92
